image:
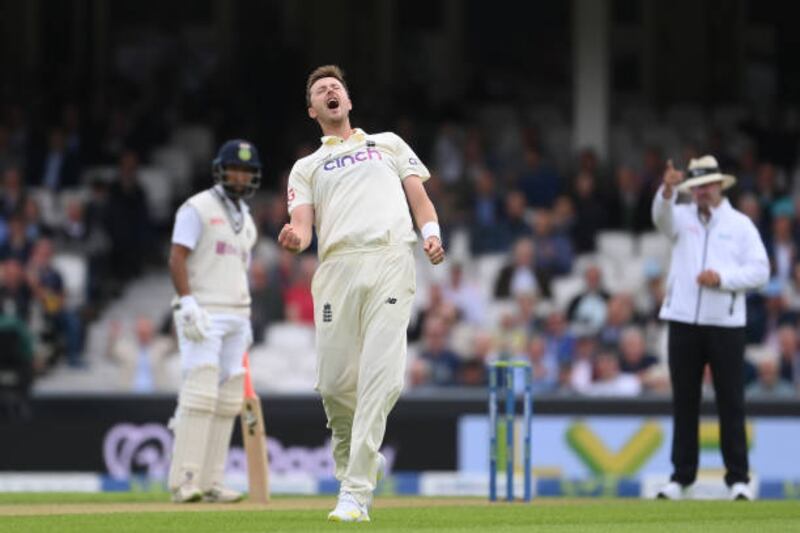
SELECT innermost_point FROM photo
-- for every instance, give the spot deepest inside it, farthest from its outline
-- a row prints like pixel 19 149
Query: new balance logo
pixel 327 314
pixel 391 301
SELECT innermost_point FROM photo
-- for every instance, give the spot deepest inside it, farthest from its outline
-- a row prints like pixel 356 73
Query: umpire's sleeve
pixel 753 271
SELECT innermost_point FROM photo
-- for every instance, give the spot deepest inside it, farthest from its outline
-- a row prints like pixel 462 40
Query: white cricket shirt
pixel 355 187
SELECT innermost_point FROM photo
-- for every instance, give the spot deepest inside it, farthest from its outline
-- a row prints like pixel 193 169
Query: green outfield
pixel 121 513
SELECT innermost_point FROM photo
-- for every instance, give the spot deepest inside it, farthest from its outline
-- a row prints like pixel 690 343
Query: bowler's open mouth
pixel 333 103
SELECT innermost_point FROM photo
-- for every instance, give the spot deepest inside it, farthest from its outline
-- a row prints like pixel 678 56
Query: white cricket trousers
pixel 362 305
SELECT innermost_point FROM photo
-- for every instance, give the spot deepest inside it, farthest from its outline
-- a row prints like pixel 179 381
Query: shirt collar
pixel 332 140
pixel 227 199
pixel 714 211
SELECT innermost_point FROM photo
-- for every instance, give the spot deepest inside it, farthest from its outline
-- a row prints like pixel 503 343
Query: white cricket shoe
pixel 348 510
pixel 220 494
pixel 671 491
pixel 741 491
pixel 187 493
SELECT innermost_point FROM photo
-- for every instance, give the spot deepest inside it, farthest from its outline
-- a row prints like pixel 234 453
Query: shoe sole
pixel 192 499
pixel 335 518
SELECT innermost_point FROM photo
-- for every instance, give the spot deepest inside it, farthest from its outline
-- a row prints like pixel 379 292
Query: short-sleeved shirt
pixel 355 187
pixel 189 226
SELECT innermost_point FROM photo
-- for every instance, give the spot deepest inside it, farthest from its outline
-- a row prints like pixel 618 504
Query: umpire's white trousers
pixel 362 305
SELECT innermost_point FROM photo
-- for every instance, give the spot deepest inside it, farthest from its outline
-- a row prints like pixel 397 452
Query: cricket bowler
pixel 356 190
pixel 211 246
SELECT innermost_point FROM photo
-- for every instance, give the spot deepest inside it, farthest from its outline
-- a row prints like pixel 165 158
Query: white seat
pixel 178 165
pixel 487 268
pixel 564 289
pixel 196 140
pixel 654 245
pixel 73 270
pixel 157 187
pixel 289 336
pixel 615 244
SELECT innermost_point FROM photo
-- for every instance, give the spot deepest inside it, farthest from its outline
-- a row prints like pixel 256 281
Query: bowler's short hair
pixel 325 71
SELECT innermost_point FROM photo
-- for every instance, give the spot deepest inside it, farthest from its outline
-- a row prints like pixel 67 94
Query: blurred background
pixel 546 126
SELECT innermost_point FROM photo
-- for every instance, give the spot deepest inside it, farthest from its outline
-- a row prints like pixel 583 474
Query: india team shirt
pixel 355 187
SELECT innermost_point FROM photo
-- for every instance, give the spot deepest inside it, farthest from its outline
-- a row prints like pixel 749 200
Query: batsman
pixel 211 246
pixel 356 189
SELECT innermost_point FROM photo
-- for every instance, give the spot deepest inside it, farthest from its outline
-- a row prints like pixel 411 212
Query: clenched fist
pixel 708 278
pixel 433 249
pixel 672 178
pixel 289 239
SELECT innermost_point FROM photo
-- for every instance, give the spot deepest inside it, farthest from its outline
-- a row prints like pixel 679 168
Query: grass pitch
pixel 150 513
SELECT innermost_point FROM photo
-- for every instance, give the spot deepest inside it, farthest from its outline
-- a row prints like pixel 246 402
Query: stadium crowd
pixel 519 211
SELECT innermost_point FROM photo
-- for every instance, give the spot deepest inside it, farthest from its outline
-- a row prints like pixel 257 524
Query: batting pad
pixel 229 405
pixel 196 404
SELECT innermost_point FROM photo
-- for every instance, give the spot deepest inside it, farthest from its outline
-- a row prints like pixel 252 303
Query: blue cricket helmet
pixel 242 155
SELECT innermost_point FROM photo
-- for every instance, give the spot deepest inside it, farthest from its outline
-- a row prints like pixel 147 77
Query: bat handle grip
pixel 249 391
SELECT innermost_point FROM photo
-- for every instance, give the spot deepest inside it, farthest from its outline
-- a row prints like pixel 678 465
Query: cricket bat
pixel 255 441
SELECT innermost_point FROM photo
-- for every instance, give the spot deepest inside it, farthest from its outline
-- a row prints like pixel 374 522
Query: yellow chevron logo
pixel 625 462
pixel 709 435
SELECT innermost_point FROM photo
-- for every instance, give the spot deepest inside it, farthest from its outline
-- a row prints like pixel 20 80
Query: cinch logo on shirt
pixel 224 248
pixel 345 160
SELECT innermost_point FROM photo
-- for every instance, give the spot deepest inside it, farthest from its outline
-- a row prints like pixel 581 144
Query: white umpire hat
pixel 705 170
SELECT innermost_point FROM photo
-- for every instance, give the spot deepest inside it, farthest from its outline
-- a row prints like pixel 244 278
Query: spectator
pixel 579 372
pixel 487 233
pixel 297 299
pixel 538 182
pixel 553 250
pixel 472 371
pixel 464 296
pixel 142 358
pixel 15 294
pixel 16 357
pixel 634 358
pixel 267 301
pixel 6 157
pixel 128 220
pixel 782 247
pixel 789 354
pixel 544 365
pixel 58 167
pixel 608 381
pixel 517 276
pixel 769 382
pixel 12 195
pixel 17 245
pixel 515 226
pixel 792 290
pixel 73 232
pixel 442 363
pixel 448 159
pixel 620 315
pixel 628 205
pixel 560 341
pixel 588 309
pixel 590 211
pixel 63 324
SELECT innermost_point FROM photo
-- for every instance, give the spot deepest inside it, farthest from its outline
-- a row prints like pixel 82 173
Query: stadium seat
pixel 615 244
pixel 654 245
pixel 565 288
pixel 197 141
pixel 288 337
pixel 178 165
pixel 156 184
pixel 73 269
pixel 486 272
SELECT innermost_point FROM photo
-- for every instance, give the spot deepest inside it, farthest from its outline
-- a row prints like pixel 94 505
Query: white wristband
pixel 188 301
pixel 431 229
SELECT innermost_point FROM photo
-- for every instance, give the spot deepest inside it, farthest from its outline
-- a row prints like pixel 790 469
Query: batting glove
pixel 193 319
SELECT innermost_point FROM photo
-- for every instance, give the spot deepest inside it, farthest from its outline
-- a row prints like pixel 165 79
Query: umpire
pixel 717 255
